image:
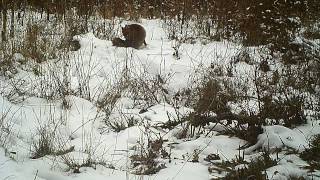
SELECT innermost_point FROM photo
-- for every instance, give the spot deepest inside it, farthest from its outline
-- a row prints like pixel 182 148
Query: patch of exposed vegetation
pixel 312 154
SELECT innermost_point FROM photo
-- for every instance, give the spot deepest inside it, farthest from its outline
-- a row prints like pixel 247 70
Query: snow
pixel 277 137
pixel 100 67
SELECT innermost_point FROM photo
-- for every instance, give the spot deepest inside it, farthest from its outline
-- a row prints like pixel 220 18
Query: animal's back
pixel 135 34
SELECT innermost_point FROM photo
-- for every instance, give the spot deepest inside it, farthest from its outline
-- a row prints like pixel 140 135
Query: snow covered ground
pixel 98 68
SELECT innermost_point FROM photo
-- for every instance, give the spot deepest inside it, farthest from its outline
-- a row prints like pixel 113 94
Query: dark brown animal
pixel 119 42
pixel 134 35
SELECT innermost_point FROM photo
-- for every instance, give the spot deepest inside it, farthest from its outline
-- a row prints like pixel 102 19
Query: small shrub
pixel 253 170
pixel 74 165
pixel 116 126
pixel 212 157
pixel 6 125
pixel 144 162
pixel 109 100
pixel 48 143
pixel 182 133
pixel 85 156
pixel 33 46
pixel 248 131
pixel 212 106
pixel 312 154
pixel 7 63
pixel 312 31
pixel 149 89
pixel 44 145
pixel 289 111
pixel 195 155
pixel 213 98
pixel 298 52
pixel 243 56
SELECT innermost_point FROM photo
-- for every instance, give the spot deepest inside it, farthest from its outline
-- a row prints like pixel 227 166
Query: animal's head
pixel 126 30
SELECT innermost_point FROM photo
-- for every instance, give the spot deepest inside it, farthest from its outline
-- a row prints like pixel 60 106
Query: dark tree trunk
pixel 12 22
pixel 4 22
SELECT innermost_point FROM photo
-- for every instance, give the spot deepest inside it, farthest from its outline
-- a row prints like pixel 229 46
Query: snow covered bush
pixel 253 170
pixel 146 159
pixel 312 154
pixel 6 126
